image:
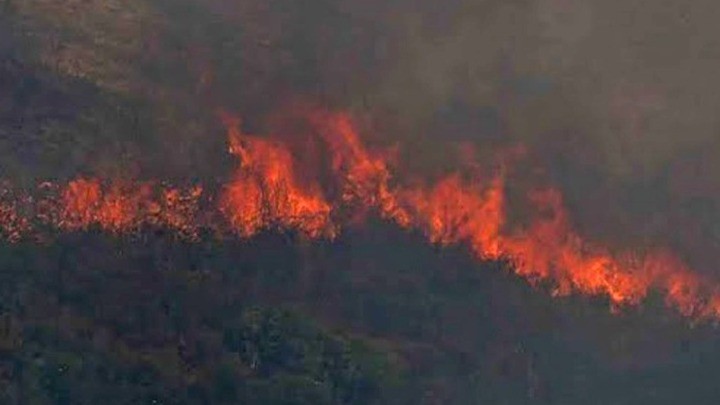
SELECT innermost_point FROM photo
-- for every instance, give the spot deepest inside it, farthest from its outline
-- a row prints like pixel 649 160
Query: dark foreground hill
pixel 376 317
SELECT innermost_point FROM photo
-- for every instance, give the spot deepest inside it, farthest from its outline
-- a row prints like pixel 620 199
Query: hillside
pixel 132 90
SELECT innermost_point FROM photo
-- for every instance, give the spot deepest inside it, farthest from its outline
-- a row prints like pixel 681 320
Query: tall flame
pixel 266 192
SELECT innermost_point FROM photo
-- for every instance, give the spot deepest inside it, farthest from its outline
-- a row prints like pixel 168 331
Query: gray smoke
pixel 615 101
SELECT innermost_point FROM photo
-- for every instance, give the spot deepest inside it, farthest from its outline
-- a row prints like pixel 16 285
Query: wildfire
pixel 267 192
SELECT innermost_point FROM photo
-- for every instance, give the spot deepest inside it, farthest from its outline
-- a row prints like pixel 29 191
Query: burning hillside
pixel 345 201
pixel 272 190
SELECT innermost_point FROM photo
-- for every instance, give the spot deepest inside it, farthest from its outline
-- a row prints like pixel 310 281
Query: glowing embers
pixel 120 207
pixel 13 224
pixel 84 203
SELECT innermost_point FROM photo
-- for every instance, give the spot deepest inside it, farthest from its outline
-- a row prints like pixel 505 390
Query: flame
pixel 550 249
pixel 364 176
pixel 452 212
pixel 270 191
pixel 266 192
pixel 118 207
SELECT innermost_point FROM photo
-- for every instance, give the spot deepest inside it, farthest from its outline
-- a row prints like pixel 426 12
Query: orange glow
pixel 451 212
pixel 270 191
pixel 266 193
pixel 13 226
pixel 549 249
pixel 364 177
pixel 115 207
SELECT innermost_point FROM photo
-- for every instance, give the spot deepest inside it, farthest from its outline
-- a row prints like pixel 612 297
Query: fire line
pixel 267 191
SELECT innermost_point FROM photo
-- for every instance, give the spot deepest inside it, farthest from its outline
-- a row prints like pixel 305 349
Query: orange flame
pixel 266 192
pixel 364 177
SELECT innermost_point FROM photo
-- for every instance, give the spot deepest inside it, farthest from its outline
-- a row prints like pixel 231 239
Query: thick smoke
pixel 611 99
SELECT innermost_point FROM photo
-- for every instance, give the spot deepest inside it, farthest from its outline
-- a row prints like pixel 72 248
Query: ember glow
pixel 267 192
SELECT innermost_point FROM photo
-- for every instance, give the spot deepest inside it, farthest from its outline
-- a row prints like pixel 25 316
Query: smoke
pixel 612 99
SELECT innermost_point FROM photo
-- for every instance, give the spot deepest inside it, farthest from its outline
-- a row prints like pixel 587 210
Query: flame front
pixel 267 193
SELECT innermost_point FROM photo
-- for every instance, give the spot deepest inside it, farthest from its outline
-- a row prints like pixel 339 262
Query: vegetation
pixel 130 89
pixel 90 319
